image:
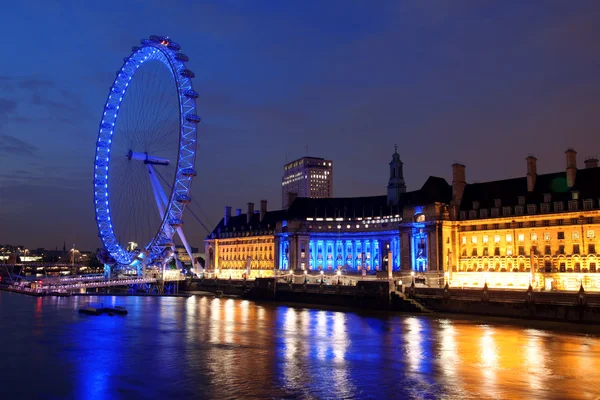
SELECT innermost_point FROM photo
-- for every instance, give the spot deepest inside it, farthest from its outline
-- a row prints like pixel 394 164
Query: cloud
pixel 33 83
pixel 7 107
pixel 10 145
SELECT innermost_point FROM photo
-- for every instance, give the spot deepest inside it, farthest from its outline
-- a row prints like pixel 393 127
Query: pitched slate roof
pixel 239 223
pixel 587 182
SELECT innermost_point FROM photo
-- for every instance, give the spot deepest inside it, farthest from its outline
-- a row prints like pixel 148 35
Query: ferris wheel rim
pixel 166 51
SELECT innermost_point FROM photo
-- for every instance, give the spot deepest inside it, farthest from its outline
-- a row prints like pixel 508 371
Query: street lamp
pixel 322 277
pixel 305 276
pixel 339 274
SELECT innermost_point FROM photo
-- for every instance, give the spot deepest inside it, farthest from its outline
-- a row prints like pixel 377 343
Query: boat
pixel 95 309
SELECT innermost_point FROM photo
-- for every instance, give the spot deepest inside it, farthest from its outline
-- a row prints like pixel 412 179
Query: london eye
pixel 145 157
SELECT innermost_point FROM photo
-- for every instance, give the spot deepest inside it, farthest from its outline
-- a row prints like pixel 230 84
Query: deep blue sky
pixel 483 83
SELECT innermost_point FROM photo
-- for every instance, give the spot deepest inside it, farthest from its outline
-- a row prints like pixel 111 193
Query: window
pixel 496 238
pixel 533 224
pixel 534 236
pixel 559 222
pixel 561 235
pixel 497 203
pixel 483 213
pixel 463 240
pixel 519 210
pixel 519 224
pixel 591 248
pixel 496 251
pixel 574 221
pixel 547 197
pixel 475 205
pixel 506 211
pixel 521 200
pixel 473 214
pixel 575 235
pixel 575 195
pixel 547 250
pixel 484 227
pixel 587 204
pixel 531 208
pixel 521 237
pixel 592 267
pixel 545 208
pixel 562 267
pixel 576 249
pixel 463 215
pixel 485 252
pixel 509 251
pixel 494 213
pixel 507 225
pixel 474 239
pixel 558 206
pixel 521 250
pixel 546 222
pixel 546 236
pixel 561 249
pixel 509 238
pixel 474 253
pixel 485 239
pixel 534 249
pixel 573 205
pixel 473 227
pixel 496 226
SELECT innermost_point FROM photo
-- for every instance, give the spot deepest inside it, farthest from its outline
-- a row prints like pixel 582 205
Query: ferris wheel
pixel 145 157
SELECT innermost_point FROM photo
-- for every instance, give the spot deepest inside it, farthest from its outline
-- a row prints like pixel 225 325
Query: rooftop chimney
pixel 263 209
pixel 458 183
pixel 227 215
pixel 591 162
pixel 238 212
pixel 531 172
pixel 571 167
pixel 291 196
pixel 250 212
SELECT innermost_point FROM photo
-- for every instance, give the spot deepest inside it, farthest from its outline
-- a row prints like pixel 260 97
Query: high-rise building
pixel 306 177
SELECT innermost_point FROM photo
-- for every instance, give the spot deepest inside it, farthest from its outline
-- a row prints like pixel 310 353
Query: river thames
pixel 205 348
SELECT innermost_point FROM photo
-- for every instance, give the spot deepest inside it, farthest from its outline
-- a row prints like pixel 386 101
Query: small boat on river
pixel 95 309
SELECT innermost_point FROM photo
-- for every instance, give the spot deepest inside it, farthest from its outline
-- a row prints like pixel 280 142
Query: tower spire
pixel 396 185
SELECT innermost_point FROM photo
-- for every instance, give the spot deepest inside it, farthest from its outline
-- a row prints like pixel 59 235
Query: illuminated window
pixel 485 239
pixel 496 238
pixel 575 235
pixel 534 236
pixel 464 240
pixel 509 238
pixel 521 237
pixel 546 236
pixel 474 239
pixel 509 251
pixel 591 234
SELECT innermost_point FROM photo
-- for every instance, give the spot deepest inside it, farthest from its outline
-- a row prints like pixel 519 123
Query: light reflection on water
pixel 201 347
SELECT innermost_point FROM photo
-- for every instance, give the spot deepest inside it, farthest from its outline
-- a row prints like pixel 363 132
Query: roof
pixel 239 222
pixel 587 182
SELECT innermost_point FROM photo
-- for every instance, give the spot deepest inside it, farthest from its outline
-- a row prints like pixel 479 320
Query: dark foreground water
pixel 200 347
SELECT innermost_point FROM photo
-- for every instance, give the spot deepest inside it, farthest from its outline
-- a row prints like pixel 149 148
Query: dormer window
pixel 475 205
pixel 519 210
pixel 588 204
pixel 531 208
pixel 545 207
pixel 463 215
pixel 547 197
pixel 473 214
pixel 483 213
pixel 505 211
pixel 575 195
pixel 497 203
pixel 558 206
pixel 573 205
pixel 521 200
pixel 494 213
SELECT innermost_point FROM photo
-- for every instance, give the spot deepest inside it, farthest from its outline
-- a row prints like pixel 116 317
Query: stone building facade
pixel 540 229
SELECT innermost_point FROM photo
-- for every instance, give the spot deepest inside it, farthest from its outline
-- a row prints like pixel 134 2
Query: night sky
pixel 482 83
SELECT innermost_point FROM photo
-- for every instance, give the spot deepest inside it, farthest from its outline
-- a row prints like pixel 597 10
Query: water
pixel 206 348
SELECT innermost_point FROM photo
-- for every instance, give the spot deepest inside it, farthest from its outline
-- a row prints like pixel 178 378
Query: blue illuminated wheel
pixel 145 154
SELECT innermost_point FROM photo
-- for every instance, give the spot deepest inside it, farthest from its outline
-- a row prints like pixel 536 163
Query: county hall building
pixel 538 229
